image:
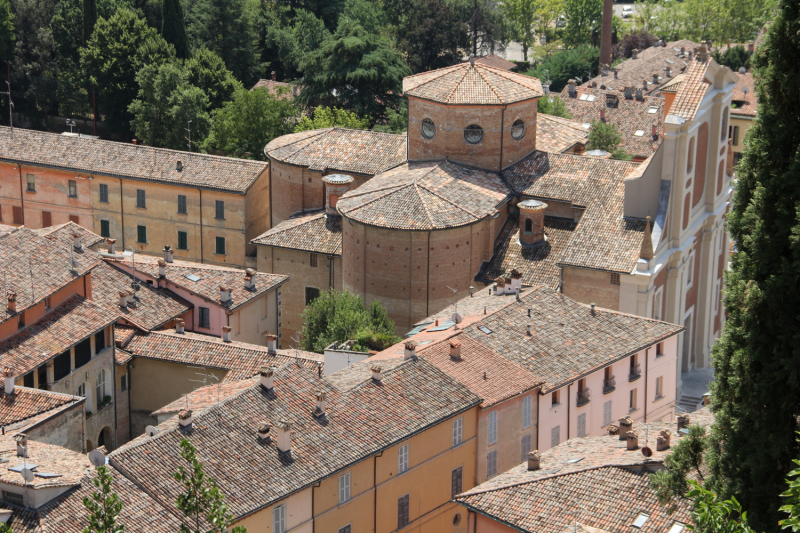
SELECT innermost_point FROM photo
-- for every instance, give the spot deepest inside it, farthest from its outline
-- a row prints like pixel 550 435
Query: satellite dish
pixel 746 90
pixel 27 475
pixel 151 431
pixel 456 318
pixel 135 286
pixel 97 458
pixel 742 70
pixel 647 452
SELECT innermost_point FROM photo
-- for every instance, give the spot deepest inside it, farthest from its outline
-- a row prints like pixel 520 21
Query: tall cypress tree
pixel 89 19
pixel 173 28
pixel 756 396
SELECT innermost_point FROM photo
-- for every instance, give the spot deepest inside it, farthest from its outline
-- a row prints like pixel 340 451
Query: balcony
pixel 584 396
pixel 609 384
pixel 636 372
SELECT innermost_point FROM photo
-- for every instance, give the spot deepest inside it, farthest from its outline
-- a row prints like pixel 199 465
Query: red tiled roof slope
pixel 309 232
pixel 26 402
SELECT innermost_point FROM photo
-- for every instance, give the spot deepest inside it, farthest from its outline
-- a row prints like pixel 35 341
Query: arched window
pixel 473 134
pixel 528 226
pixel 428 128
pixel 518 130
pixel 690 156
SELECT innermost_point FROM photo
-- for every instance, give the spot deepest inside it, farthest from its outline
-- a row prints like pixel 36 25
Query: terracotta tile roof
pixel 482 302
pixel 242 360
pixel 205 397
pixel 211 278
pixel 691 91
pixel 273 87
pixel 538 265
pixel 340 149
pixel 610 498
pixel 744 96
pixel 422 196
pixel 25 403
pixel 477 85
pixel 633 118
pixel 70 466
pixel 60 329
pixel 309 232
pixel 152 307
pixel 556 134
pixel 24 253
pixel 568 341
pixel 358 423
pixel 492 60
pixel 93 156
pixel 64 233
pixel 653 60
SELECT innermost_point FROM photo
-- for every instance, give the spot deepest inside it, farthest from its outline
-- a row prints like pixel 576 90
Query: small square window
pixel 615 278
pixel 73 188
pixel 640 521
pixel 312 293
pixel 31 181
pixel 13 497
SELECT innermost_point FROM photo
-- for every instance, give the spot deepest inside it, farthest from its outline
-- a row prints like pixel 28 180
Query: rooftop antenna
pixel 456 318
pixel 296 340
pixel 71 124
pixel 189 130
pixel 10 103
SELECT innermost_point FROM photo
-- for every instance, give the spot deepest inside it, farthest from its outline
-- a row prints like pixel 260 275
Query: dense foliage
pixel 103 506
pixel 579 63
pixel 553 105
pixel 328 117
pixel 733 57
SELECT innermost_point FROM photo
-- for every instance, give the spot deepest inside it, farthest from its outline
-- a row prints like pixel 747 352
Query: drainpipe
pixel 375 490
pixel 646 353
pixel 569 401
pixel 122 213
pixel 201 224
pixel 428 274
pixel 21 193
pixel 502 130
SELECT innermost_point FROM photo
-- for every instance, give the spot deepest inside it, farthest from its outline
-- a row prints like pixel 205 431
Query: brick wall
pixel 591 286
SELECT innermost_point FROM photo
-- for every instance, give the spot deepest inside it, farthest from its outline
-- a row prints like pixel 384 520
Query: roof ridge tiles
pixel 445 199
pixel 456 85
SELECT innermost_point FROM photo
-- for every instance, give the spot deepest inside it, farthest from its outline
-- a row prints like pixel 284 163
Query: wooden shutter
pixel 75 218
pixel 402 512
pixel 607 413
pixel 455 482
pixel 17 214
pixel 47 219
pixel 582 425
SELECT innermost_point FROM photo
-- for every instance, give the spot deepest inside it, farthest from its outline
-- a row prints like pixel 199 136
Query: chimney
pixel 129 296
pixel 8 380
pixel 517 289
pixel 571 89
pixel 123 299
pixel 472 60
pixel 690 55
pixel 500 287
pixel 377 373
pixel 250 279
pixel 655 79
pixel 133 141
pixel 613 429
pixel 668 70
pixel 267 377
pixel 77 241
pixel 180 326
pixel 625 425
pixel 263 432
pixel 635 53
pixel 22 444
pixel 321 402
pixel 683 51
pixel 612 100
pixel 683 421
pixel 616 74
pixel 111 246
pixel 751 46
pixel 534 460
pixel 274 76
pixel 654 132
pixel 455 349
pixel 226 333
pixel 283 436
pixel 628 93
pixel 729 43
pixel 639 94
pixel 272 341
pixel 646 251
pixel 644 85
pixel 529 330
pixel 411 350
pixel 708 44
pixel 633 440
pixel 662 440
pixel 179 165
pixel 702 53
pixel 516 280
pixel 168 253
pixel 162 268
pixel 224 294
pixel 185 419
pixel 12 302
pixel 602 115
pixel 592 307
pixel 531 222
pixel 335 186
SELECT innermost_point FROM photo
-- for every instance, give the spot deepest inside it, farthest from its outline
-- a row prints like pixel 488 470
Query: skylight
pixel 641 520
pixel 586 125
pixel 590 98
pixel 485 329
pixel 677 527
pixel 639 133
pixel 443 326
pixel 583 97
pixel 653 109
pixel 192 277
pixel 671 62
pixel 579 459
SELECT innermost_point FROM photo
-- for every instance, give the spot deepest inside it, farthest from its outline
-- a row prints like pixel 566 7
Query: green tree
pixel 166 104
pixel 353 70
pixel 103 506
pixel 245 125
pixel 578 63
pixel 89 19
pixel 6 30
pixel 287 40
pixel 553 105
pixel 328 117
pixel 733 58
pixel 396 121
pixel 583 20
pixel 173 28
pixel 488 28
pixel 337 316
pixel 208 72
pixel 685 461
pixel 603 136
pixel 431 35
pixel 201 501
pixel 522 16
pixel 367 14
pixel 755 396
pixel 712 514
pixel 119 47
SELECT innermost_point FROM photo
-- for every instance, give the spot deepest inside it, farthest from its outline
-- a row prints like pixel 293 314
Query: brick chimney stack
pixel 267 377
pixel 77 241
pixel 111 246
pixel 180 326
pixel 185 419
pixel 335 186
pixel 531 221
pixel 571 88
pixel 534 460
pixel 274 76
pixel 377 373
pixel 455 349
pixel 8 380
pixel 625 425
pixel 162 268
pixel 123 299
pixel 250 279
pixel 633 440
pixel 283 437
pixel 224 294
pixel 226 333
pixel 272 341
pixel 12 302
pixel 22 444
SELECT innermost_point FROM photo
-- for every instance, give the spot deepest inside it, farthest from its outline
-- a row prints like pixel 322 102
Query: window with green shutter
pixel 220 245
pixel 183 240
pixel 141 233
pixel 105 228
pixel 220 210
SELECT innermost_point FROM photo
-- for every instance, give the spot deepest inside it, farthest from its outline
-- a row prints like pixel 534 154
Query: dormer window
pixel 473 134
pixel 518 130
pixel 427 128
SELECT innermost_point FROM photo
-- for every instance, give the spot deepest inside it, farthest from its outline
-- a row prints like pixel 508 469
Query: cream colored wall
pixel 298 515
pixel 256 211
pixel 509 433
pixel 487 525
pixel 156 383
pixel 358 511
pixel 250 323
pixel 744 125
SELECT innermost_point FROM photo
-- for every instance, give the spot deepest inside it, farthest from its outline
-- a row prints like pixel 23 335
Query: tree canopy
pixel 103 506
pixel 733 57
pixel 553 105
pixel 583 20
pixel 431 35
pixel 328 117
pixel 173 28
pixel 6 30
pixel 578 63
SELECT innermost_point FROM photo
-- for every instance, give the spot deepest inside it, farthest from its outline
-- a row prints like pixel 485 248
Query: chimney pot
pixel 129 296
pixel 592 307
pixel 168 253
pixel 411 350
pixel 472 60
pixel 616 76
pixel 22 444
pixel 662 440
pixel 77 241
pixel 12 302
pixel 179 165
pixel 180 326
pixel 455 349
pixel 613 429
pixel 226 333
pixel 635 53
pixel 133 141
pixel 655 79
pixel 224 294
pixel 639 94
pixel 529 328
pixel 377 374
pixel 274 76
pixel 250 279
pixel 185 419
pixel 111 245
pixel 534 460
pixel 654 132
pixel 571 88
pixel 683 421
pixel 625 425
pixel 321 403
pixel 263 431
pixel 633 440
pixel 267 377
pixel 162 268
pixel 272 341
pixel 123 299
pixel 8 380
pixel 602 115
pixel 283 436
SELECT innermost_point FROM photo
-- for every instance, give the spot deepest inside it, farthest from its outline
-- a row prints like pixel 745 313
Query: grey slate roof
pixel 93 156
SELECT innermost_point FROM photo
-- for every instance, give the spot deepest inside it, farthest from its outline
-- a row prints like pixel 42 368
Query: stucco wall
pixel 65 429
pixel 591 286
pixel 509 434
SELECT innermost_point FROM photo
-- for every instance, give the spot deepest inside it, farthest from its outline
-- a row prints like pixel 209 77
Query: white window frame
pixel 402 458
pixel 344 488
pixel 690 271
pixel 492 429
pixel 458 431
pixel 279 519
pixel 527 402
pixel 100 386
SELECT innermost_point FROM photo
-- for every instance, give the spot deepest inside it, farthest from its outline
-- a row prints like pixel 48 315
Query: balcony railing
pixel 584 396
pixel 636 372
pixel 609 384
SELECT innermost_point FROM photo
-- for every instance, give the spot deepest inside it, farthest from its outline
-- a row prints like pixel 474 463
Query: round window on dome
pixel 428 128
pixel 518 130
pixel 473 134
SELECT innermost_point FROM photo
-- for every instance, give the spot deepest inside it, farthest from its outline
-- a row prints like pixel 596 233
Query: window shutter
pixel 47 219
pixel 220 209
pixel 526 412
pixel 607 413
pixel 17 210
pixel 582 425
pixel 455 482
pixel 105 228
pixel 104 193
pixel 526 447
pixel 74 218
pixel 555 436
